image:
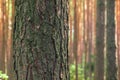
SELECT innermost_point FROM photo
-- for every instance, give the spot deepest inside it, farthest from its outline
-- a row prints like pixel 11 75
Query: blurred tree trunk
pixel 85 38
pixel 79 30
pixel 6 17
pixel 2 65
pixel 3 33
pixel 118 36
pixel 76 39
pixel 100 28
pixel 9 55
pixel 94 35
pixel 40 40
pixel 71 29
pixel 111 73
pixel 90 37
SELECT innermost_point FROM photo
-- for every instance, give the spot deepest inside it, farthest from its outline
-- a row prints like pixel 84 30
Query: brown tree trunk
pixel 100 28
pixel 85 38
pixel 5 37
pixel 40 40
pixel 1 36
pixel 118 36
pixel 111 73
pixel 76 38
pixel 2 59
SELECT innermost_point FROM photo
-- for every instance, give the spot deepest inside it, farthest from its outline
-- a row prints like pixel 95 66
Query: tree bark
pixel 76 39
pixel 40 40
pixel 1 37
pixel 111 73
pixel 100 28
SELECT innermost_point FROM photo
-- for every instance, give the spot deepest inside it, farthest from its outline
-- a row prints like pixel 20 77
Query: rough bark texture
pixel 100 28
pixel 40 40
pixel 111 73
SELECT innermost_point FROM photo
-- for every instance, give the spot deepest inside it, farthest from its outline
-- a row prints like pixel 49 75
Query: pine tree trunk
pixel 117 3
pixel 111 73
pixel 40 40
pixel 100 28
pixel 75 49
pixel 1 39
pixel 3 35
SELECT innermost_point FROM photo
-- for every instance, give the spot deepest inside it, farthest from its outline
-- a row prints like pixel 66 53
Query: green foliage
pixel 81 67
pixel 3 76
pixel 80 72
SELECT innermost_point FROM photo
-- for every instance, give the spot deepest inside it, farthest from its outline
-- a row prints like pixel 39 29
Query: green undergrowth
pixel 82 68
pixel 3 76
pixel 80 72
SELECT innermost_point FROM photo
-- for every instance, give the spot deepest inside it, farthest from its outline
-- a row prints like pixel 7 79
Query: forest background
pixel 60 40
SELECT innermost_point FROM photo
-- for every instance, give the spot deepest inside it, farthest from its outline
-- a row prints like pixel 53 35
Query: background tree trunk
pixel 76 39
pixel 111 73
pixel 118 36
pixel 2 55
pixel 40 40
pixel 100 28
